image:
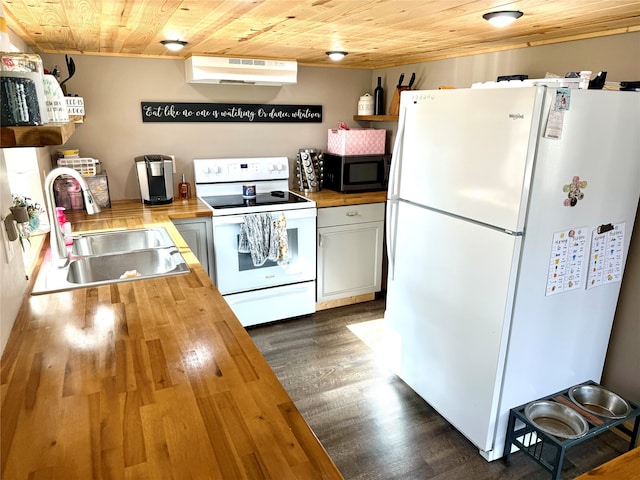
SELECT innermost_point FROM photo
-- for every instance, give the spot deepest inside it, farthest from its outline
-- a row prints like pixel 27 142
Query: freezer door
pixel 447 318
pixel 470 152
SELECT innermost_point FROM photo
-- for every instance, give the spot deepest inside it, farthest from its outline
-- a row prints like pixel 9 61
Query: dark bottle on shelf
pixel 378 99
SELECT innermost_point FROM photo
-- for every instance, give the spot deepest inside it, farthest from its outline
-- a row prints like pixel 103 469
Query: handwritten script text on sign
pixel 229 112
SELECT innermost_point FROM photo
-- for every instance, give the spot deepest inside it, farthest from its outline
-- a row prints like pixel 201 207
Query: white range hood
pixel 240 71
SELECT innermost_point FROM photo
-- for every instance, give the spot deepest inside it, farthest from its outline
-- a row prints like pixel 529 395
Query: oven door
pixel 234 270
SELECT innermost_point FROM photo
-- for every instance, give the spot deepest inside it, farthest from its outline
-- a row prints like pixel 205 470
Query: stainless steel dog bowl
pixel 599 401
pixel 556 419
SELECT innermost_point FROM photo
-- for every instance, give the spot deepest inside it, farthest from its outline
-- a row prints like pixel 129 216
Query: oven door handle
pixel 288 214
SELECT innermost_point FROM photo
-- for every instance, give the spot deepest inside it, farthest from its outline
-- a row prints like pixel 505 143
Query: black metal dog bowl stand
pixel 549 451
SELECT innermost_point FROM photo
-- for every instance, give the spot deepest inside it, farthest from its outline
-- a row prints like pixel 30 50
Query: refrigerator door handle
pixel 393 193
pixel 396 158
pixel 391 224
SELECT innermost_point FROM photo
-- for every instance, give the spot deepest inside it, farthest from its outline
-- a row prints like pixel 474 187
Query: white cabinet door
pixel 350 251
pixel 197 232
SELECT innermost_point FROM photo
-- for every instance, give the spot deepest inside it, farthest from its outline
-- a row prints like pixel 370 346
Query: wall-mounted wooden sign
pixel 229 112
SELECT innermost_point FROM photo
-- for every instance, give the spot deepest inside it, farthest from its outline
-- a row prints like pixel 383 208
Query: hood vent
pixel 240 71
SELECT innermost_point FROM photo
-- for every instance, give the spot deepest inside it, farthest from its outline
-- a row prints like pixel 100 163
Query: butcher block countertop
pixel 149 379
pixel 626 466
pixel 329 198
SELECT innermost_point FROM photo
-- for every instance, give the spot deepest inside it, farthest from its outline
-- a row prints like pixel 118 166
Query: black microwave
pixel 355 173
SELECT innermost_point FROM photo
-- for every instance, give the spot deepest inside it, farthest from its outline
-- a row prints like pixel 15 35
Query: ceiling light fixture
pixel 502 19
pixel 337 56
pixel 173 45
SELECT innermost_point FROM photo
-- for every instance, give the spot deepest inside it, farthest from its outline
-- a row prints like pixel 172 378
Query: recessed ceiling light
pixel 173 45
pixel 502 19
pixel 337 56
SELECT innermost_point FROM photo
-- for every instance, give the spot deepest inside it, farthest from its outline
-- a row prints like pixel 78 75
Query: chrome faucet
pixel 59 254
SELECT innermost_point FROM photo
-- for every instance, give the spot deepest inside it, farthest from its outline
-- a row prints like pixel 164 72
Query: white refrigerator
pixel 509 216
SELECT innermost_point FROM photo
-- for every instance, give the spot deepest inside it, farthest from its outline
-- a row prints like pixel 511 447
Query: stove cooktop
pixel 275 198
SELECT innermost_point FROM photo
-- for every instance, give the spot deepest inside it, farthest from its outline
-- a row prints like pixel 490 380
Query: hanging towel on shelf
pixel 264 236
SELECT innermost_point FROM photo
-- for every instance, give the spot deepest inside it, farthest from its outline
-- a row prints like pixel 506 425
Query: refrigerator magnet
pixel 574 191
pixel 563 99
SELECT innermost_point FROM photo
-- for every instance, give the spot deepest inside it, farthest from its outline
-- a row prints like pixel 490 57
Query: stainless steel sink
pixel 126 266
pixel 121 241
pixel 112 257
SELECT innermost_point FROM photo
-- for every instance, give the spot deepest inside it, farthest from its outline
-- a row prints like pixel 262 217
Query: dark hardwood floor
pixel 374 426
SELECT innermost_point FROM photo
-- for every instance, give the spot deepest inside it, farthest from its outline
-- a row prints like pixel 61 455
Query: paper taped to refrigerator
pixel 605 260
pixel 566 262
pixel 555 119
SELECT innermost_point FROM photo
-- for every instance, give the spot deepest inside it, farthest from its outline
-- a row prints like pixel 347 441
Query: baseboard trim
pixel 341 302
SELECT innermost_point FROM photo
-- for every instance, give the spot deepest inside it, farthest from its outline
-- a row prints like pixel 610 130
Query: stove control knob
pixel 271 167
pixel 206 170
pixel 281 167
pixel 216 169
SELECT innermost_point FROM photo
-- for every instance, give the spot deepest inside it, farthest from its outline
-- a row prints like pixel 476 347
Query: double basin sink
pixel 112 257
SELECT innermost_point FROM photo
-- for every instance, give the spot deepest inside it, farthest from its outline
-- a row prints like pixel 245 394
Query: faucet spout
pixel 59 253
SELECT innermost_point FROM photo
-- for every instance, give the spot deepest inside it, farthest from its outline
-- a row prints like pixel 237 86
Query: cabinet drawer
pixel 351 214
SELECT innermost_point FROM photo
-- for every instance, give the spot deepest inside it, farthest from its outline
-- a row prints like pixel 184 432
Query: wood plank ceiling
pixel 376 33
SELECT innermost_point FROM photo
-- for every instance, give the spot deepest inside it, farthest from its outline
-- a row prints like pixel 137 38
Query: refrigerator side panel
pixel 469 152
pixel 560 340
pixel 448 311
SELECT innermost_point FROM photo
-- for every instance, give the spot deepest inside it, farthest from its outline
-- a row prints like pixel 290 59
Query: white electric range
pixel 273 290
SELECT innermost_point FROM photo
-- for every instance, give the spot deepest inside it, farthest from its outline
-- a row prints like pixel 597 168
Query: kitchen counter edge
pixel 330 198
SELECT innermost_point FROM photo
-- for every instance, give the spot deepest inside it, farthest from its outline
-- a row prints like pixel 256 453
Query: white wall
pixel 617 55
pixel 115 134
pixel 13 282
pixel 114 87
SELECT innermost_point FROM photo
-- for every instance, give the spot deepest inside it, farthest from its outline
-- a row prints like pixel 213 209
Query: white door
pixel 349 260
pixel 448 309
pixel 470 152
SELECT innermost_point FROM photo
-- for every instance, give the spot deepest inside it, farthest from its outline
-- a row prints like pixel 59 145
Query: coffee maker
pixel 155 176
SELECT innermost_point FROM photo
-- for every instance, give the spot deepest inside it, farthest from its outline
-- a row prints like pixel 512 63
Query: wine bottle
pixel 378 99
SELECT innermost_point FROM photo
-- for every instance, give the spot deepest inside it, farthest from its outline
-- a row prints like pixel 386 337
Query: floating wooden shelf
pixel 37 136
pixel 375 118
